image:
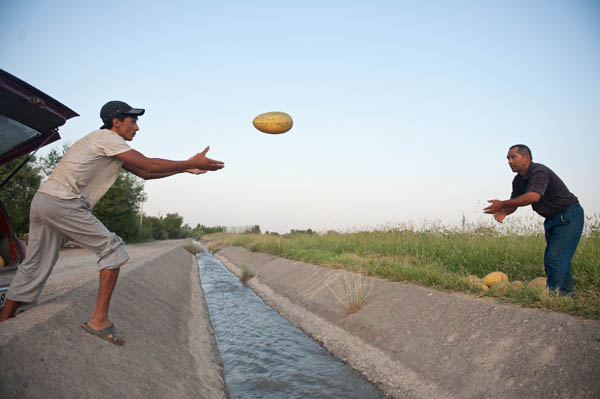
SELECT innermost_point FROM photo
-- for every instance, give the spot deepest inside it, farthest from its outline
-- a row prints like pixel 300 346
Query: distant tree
pixel 172 224
pixel 201 230
pixel 17 193
pixel 119 209
pixel 153 228
pixel 186 231
pixel 254 229
pixel 49 161
pixel 308 231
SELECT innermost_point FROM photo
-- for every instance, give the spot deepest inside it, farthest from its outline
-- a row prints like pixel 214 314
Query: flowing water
pixel 265 356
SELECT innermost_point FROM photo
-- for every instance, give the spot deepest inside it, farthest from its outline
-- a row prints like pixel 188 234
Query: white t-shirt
pixel 88 169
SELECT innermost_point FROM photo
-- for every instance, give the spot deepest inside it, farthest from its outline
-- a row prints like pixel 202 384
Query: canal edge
pixel 389 377
pixel 454 345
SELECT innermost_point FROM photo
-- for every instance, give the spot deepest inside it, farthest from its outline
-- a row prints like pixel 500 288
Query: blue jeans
pixel 562 236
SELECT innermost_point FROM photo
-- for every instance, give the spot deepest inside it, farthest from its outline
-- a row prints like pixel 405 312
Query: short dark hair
pixel 523 150
pixel 120 117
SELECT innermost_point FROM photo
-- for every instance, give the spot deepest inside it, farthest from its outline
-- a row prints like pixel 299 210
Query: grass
pixel 246 274
pixel 193 246
pixel 352 292
pixel 441 257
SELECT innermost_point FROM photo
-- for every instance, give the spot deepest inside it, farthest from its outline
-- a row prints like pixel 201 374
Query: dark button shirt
pixel 555 196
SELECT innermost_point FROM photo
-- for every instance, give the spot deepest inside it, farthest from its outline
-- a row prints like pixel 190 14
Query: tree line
pixel 119 209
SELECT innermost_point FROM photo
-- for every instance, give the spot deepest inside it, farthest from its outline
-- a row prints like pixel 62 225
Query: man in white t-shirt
pixel 61 210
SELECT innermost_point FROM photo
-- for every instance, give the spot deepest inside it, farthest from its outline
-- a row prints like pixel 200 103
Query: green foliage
pixel 186 231
pixel 17 193
pixel 118 210
pixel 246 273
pixel 172 225
pixel 152 228
pixel 201 230
pixel 441 258
pixel 48 162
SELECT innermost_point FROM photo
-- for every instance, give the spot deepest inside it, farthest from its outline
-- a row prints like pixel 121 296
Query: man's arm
pixel 148 175
pixel 501 209
pixel 153 168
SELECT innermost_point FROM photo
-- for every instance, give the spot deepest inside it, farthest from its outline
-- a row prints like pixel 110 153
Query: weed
pixel 213 246
pixel 353 291
pixel 193 247
pixel 246 273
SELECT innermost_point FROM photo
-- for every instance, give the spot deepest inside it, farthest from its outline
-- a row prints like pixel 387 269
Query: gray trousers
pixel 53 221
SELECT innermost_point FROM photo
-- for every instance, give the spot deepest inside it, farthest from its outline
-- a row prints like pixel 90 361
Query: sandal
pixel 109 334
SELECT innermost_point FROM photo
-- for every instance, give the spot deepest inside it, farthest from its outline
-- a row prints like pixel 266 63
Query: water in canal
pixel 265 356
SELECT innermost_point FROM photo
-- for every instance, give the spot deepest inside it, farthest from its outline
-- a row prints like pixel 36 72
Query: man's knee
pixel 114 256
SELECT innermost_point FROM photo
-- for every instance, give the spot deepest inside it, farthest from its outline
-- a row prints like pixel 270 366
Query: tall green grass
pixel 441 257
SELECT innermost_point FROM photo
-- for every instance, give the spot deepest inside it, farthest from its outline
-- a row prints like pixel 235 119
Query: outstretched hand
pixel 499 216
pixel 202 162
pixel 496 206
pixel 497 209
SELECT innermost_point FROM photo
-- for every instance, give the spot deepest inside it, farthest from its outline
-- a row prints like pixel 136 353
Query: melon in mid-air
pixel 273 122
pixel 494 278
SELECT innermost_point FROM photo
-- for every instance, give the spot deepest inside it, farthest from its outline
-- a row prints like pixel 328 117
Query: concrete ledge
pixel 158 306
pixel 414 342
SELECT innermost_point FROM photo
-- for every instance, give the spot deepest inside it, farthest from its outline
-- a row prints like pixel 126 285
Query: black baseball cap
pixel 114 109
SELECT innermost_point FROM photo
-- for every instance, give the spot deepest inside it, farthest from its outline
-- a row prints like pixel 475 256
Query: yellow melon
pixel 501 287
pixel 538 282
pixel 473 279
pixel 482 286
pixel 494 278
pixel 517 284
pixel 273 122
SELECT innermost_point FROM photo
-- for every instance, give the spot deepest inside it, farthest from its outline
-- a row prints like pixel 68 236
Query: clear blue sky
pixel 403 110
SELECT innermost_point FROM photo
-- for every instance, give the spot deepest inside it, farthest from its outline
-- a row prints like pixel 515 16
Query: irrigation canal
pixel 264 355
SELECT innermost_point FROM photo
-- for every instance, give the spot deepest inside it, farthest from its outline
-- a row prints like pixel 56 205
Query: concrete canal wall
pixel 414 342
pixel 158 306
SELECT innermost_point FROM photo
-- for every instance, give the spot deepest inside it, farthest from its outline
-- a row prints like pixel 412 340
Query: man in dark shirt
pixel 536 185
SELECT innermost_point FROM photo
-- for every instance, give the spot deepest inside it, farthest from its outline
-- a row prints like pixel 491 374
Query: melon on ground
pixel 501 287
pixel 482 286
pixel 473 279
pixel 494 278
pixel 538 282
pixel 518 284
